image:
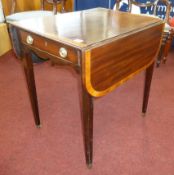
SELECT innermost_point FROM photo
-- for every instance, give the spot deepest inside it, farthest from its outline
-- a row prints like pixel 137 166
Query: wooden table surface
pixel 88 28
pixel 105 47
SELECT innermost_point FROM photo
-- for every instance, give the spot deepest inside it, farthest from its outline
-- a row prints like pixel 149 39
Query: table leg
pixel 87 118
pixel 148 78
pixel 160 55
pixel 29 74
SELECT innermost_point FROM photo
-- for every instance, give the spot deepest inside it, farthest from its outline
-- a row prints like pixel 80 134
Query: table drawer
pixel 52 47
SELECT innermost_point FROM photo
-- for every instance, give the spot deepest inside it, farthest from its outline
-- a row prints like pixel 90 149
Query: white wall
pixel 1 13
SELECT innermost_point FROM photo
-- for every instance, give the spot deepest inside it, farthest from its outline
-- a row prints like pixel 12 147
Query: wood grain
pixel 108 66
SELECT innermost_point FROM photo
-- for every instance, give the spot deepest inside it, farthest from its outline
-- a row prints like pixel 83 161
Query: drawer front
pixel 52 47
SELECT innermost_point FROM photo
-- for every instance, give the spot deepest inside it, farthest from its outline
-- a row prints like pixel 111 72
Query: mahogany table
pixel 106 48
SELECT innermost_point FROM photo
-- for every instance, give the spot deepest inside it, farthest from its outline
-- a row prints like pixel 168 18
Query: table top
pixel 87 28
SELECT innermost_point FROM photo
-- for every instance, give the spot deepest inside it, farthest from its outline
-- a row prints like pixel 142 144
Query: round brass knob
pixel 63 52
pixel 29 40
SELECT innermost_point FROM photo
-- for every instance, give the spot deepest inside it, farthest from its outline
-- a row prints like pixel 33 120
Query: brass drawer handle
pixel 29 40
pixel 63 52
